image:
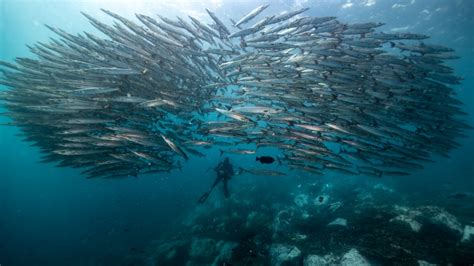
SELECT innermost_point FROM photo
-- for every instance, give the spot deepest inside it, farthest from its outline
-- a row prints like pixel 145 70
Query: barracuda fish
pixel 219 24
pixel 237 151
pixel 94 90
pixel 233 115
pixel 329 95
pixel 245 32
pixel 288 15
pixel 251 15
pixel 257 110
pixel 261 172
pixel 174 147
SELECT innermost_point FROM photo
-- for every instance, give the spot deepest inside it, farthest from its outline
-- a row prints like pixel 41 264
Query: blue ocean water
pixel 54 216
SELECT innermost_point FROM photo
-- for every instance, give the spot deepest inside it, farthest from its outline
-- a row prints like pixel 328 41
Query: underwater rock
pixel 305 215
pixel 203 250
pixel 299 237
pixel 441 216
pixel 301 200
pixel 287 224
pixel 435 214
pixel 449 220
pixel 335 206
pixel 468 232
pixel 321 200
pixel 314 260
pixel 338 221
pixel 284 254
pixel 256 220
pixel 225 252
pixel 252 249
pixel 173 252
pixel 282 223
pixel 383 188
pixel 353 257
pixel 365 195
pixel 425 263
pixel 406 210
pixel 195 263
pixel 414 225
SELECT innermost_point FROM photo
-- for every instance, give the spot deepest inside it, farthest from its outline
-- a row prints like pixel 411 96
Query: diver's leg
pixel 204 196
pixel 226 189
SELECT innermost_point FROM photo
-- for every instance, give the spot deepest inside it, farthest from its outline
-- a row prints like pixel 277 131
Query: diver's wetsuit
pixel 224 171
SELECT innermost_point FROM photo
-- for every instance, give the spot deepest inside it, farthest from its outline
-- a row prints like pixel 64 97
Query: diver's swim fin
pixel 204 197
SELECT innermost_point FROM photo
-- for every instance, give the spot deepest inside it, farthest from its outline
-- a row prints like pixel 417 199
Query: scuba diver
pixel 224 171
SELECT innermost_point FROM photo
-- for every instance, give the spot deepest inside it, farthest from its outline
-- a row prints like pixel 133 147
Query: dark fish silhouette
pixel 460 195
pixel 265 159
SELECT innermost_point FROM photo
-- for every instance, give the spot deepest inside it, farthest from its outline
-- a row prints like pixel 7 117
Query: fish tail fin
pixel 257 159
pixel 392 44
pixel 221 152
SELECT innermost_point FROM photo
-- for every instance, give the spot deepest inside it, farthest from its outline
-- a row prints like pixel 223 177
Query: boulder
pixel 171 253
pixel 407 211
pixel 414 225
pixel 315 260
pixel 283 254
pixel 434 214
pixel 383 187
pixel 283 225
pixel 338 222
pixel 305 215
pixel 321 200
pixel 439 215
pixel 468 232
pixel 195 263
pixel 203 250
pixel 425 263
pixel 256 220
pixel 301 200
pixel 353 258
pixel 335 206
pixel 225 252
pixel 449 220
pixel 299 237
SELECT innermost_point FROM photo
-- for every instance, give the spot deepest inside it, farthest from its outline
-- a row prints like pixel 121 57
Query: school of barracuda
pixel 329 95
